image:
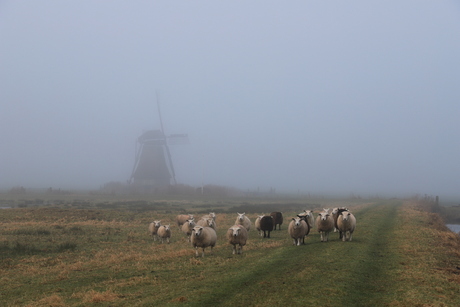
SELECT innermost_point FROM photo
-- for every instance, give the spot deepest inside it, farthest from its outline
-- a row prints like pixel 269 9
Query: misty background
pixel 311 96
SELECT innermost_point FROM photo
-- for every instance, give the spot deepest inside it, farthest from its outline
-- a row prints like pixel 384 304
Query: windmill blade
pixel 173 173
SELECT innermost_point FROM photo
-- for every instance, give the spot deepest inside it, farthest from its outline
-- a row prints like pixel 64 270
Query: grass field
pixel 101 255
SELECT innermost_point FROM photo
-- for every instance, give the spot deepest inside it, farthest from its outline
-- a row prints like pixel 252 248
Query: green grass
pixel 399 256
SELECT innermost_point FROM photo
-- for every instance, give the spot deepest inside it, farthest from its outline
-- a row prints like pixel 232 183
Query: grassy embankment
pixel 400 256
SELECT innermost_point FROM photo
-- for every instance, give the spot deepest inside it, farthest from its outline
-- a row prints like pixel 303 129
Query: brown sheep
pixel 277 219
pixel 266 225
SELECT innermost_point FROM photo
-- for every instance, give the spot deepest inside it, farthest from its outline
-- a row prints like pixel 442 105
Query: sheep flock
pixel 202 233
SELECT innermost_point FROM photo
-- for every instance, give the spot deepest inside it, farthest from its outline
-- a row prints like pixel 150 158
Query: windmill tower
pixel 153 166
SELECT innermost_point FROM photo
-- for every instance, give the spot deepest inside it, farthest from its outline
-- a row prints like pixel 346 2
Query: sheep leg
pixel 233 250
pixel 349 238
pixel 196 251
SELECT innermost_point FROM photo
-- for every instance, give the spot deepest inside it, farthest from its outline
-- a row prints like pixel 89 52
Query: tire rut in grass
pixel 371 260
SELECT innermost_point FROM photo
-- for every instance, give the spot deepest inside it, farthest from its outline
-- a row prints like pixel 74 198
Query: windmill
pixel 153 166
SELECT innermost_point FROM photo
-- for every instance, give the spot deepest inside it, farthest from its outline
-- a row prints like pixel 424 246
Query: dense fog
pixel 304 96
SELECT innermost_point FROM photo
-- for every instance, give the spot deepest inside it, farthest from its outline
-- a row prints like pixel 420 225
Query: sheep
pixel 181 218
pixel 203 237
pixel 242 219
pixel 346 224
pixel 277 219
pixel 298 229
pixel 237 235
pixel 257 224
pixel 187 228
pixel 324 224
pixel 207 222
pixel 307 216
pixel 153 229
pixel 211 215
pixel 266 225
pixel 164 233
pixel 335 214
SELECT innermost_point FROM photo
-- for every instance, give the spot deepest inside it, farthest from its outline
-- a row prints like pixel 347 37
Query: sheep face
pixel 323 215
pixel 156 223
pixel 167 227
pixel 296 221
pixel 346 215
pixel 191 222
pixel 235 230
pixel 197 230
pixel 241 216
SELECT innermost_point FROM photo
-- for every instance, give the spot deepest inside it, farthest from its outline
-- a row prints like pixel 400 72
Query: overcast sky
pixel 314 96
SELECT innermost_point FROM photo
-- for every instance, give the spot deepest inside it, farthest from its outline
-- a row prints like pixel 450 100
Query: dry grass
pixel 115 260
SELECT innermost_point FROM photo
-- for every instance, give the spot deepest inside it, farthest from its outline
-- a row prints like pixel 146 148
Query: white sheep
pixel 257 224
pixel 187 228
pixel 237 235
pixel 207 222
pixel 346 223
pixel 324 224
pixel 153 229
pixel 335 214
pixel 211 215
pixel 307 216
pixel 203 237
pixel 181 218
pixel 242 219
pixel 164 233
pixel 298 229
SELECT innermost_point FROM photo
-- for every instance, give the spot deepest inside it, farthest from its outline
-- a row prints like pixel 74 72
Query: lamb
pixel 257 224
pixel 187 228
pixel 181 218
pixel 207 222
pixel 324 224
pixel 298 229
pixel 164 233
pixel 242 219
pixel 277 219
pixel 153 229
pixel 346 224
pixel 266 225
pixel 237 235
pixel 203 237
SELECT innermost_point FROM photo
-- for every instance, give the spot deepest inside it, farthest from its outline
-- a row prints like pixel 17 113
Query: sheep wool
pixel 203 237
pixel 237 236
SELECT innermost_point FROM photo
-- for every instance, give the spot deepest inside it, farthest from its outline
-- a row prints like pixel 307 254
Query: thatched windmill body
pixel 153 166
